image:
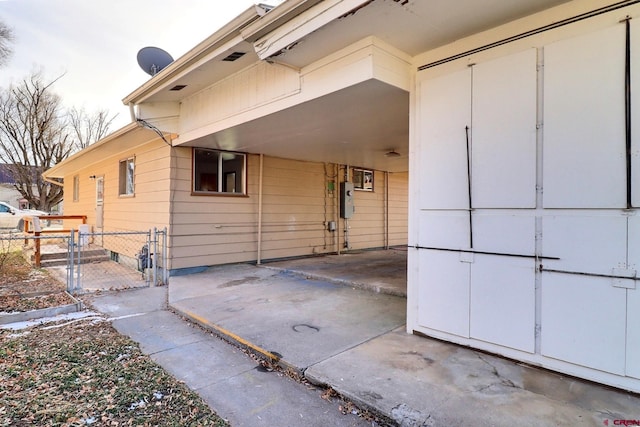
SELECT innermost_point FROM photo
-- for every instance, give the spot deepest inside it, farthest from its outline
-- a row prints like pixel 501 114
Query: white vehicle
pixel 13 218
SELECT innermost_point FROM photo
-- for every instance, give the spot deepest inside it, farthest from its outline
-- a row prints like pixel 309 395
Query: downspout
pixel 132 112
pixel 346 220
pixel 258 259
pixel 337 204
pixel 386 210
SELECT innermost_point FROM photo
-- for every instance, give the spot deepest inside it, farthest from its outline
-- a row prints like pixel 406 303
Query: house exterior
pixel 501 135
pixel 8 192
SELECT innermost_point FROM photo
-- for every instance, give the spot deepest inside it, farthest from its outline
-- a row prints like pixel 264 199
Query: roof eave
pixel 217 39
pixel 276 18
pixel 58 171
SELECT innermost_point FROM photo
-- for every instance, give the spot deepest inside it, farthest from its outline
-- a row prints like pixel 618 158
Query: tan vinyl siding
pixel 298 203
pixel 368 227
pixel 215 229
pixel 147 208
pixel 224 229
pixel 398 208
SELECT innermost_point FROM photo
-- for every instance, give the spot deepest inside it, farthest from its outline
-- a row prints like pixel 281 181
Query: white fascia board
pixel 301 25
pixel 229 34
pixel 277 17
pixel 129 135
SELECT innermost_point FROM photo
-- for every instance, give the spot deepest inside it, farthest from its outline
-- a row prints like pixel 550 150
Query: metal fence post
pixel 165 257
pixel 70 265
pixel 78 245
pixel 155 256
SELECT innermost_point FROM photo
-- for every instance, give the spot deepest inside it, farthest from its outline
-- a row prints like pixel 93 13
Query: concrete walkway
pixel 231 382
pixel 354 341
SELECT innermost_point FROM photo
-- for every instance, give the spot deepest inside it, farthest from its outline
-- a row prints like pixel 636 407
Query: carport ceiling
pixel 356 126
pixel 413 26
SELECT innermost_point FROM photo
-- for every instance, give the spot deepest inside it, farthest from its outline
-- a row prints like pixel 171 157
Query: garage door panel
pixel 585 243
pixel 584 121
pixel 503 301
pixel 444 229
pixel 583 321
pixel 443 299
pixel 445 110
pixel 504 232
pixel 504 132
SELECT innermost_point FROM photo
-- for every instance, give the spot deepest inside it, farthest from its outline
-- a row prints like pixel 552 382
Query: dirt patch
pixel 81 372
pixel 24 288
pixel 84 372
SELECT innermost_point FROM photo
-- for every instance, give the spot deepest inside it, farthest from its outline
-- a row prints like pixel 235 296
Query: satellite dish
pixel 153 59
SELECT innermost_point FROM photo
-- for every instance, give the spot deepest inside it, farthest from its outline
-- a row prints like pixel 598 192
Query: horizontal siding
pixel 256 85
pixel 367 227
pixel 209 230
pixel 398 208
pixel 225 228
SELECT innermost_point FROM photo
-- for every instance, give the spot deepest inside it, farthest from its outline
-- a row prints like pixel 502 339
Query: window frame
pixel 124 183
pixel 360 184
pixel 76 188
pixel 239 176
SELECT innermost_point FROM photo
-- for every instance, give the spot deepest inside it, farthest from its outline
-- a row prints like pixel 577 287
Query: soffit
pixel 355 126
pixel 413 26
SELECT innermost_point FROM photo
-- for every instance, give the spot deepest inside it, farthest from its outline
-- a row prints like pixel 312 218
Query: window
pixel 126 177
pixel 216 172
pixel 76 188
pixel 363 179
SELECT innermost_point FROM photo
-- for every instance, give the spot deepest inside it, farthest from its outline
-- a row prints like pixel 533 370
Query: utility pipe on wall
pixel 337 194
pixel 259 257
pixel 386 210
pixel 346 220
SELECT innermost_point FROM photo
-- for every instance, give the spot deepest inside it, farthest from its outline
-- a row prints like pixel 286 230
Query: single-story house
pixel 496 140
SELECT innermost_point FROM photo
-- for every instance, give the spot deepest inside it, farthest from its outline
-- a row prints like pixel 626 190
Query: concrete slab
pixel 208 363
pixel 349 339
pixel 383 271
pixel 289 403
pixel 130 302
pixel 158 331
pixel 285 314
pixel 230 381
pixel 424 382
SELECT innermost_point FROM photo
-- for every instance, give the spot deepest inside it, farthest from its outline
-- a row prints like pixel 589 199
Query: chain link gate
pixel 88 262
pixel 116 260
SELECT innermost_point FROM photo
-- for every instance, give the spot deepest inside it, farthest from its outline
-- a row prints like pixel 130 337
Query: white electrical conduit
pixel 258 259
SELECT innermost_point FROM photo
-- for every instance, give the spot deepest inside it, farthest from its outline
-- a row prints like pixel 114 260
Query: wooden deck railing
pixel 33 227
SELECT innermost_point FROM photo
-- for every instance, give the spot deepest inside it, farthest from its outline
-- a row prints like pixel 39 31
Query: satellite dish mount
pixel 153 59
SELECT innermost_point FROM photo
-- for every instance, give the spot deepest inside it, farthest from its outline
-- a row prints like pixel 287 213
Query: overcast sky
pixel 94 43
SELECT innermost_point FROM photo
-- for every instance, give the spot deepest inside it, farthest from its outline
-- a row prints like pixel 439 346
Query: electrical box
pixel 346 200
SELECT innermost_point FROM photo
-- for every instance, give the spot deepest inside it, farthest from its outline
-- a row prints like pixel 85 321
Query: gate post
pixel 70 263
pixel 165 257
pixel 155 256
pixel 78 284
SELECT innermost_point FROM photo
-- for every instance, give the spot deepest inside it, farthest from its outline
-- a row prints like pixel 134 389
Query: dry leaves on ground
pixel 24 288
pixel 84 372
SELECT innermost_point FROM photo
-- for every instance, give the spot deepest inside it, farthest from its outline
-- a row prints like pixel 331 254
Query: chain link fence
pixel 89 262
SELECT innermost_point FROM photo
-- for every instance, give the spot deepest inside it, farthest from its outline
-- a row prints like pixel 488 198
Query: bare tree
pixel 6 37
pixel 89 128
pixel 33 137
pixel 36 133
